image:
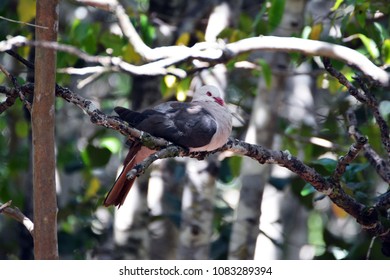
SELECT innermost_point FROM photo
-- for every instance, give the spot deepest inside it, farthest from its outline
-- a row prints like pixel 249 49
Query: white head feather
pixel 208 93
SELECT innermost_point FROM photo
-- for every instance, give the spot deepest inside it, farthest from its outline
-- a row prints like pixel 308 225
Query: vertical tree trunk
pixel 131 233
pixel 277 215
pixel 199 194
pixel 43 124
pixel 262 129
pixel 197 212
pixel 164 200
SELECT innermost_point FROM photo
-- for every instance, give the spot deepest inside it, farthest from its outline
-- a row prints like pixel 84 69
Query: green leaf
pixel 327 163
pixel 78 30
pixel 360 14
pixel 306 32
pixel 336 5
pixel 129 54
pixel 307 190
pixel 93 187
pixel 113 42
pixel 386 51
pixel 148 31
pixel 275 13
pixel 95 156
pixel 267 73
pixel 183 39
pixel 26 10
pixel 111 143
pixel 353 173
pixel 357 167
pixel 229 169
pixel 85 35
pixel 22 129
pixel 235 165
pixel 245 23
pixel 383 32
pixel 259 26
pixel 316 31
pixel 370 45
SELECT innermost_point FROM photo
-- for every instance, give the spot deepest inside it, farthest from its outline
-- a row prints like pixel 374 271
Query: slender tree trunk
pixel 296 97
pixel 262 130
pixel 43 124
pixel 253 176
pixel 164 199
pixel 197 212
pixel 131 233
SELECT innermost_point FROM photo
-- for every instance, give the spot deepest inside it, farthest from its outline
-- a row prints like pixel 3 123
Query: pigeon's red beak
pixel 219 101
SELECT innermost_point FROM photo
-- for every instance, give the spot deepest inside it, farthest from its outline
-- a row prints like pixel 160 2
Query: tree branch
pixel 382 124
pixel 99 118
pixel 364 96
pixel 216 53
pixel 314 48
pixel 11 97
pixel 13 94
pixel 381 166
pixel 167 152
pixel 368 217
pixel 16 214
pixel 228 51
pixel 344 161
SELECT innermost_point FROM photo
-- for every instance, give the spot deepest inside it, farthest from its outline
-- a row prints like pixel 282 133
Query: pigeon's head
pixel 208 93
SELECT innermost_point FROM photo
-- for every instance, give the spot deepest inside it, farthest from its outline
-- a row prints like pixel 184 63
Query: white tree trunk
pixel 197 212
pixel 266 108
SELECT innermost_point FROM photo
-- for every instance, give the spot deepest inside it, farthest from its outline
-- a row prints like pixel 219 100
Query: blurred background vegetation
pixel 308 119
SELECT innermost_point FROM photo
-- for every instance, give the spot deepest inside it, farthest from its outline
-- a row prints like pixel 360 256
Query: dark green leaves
pixel 275 13
pixel 96 156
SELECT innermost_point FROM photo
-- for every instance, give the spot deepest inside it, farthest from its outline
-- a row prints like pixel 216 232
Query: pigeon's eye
pixel 209 93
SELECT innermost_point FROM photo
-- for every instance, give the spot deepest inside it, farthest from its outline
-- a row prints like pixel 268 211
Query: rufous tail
pixel 117 195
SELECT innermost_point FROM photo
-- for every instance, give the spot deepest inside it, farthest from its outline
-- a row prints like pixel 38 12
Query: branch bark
pixel 43 124
pixel 16 214
pixel 216 53
pixel 381 166
pixel 364 96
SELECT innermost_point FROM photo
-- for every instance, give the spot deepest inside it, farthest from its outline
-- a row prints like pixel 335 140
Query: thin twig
pixel 383 201
pixel 381 166
pixel 167 152
pixel 86 70
pixel 344 161
pixel 105 5
pixel 355 92
pixel 382 124
pixel 363 95
pixel 370 248
pixel 24 23
pixel 5 72
pixel 12 98
pixel 18 57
